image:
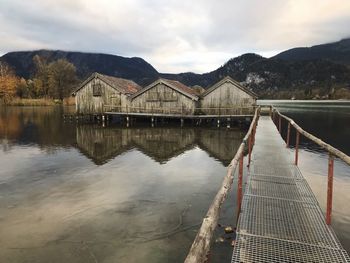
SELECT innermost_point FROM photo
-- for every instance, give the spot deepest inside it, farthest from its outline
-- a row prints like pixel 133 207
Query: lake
pixel 72 192
pixel 85 193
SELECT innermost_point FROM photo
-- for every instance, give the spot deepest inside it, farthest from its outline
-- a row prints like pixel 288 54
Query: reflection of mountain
pixel 160 143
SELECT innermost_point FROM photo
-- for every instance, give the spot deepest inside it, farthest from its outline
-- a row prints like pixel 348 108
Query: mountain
pixel 277 78
pixel 86 63
pixel 318 71
pixel 338 52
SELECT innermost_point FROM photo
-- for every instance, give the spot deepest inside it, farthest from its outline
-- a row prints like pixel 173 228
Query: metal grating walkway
pixel 280 219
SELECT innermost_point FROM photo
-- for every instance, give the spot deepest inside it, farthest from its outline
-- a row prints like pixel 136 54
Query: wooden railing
pixel 332 152
pixel 201 245
pixel 182 110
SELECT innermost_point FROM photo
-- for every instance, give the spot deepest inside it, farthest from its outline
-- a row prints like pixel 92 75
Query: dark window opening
pixel 96 90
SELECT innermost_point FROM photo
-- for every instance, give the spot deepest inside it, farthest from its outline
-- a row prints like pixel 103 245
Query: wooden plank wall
pixel 161 96
pixel 225 96
pixel 86 103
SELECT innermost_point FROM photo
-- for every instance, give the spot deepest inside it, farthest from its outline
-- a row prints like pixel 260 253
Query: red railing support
pixel 288 135
pixel 330 189
pixel 250 142
pixel 240 182
pixel 297 147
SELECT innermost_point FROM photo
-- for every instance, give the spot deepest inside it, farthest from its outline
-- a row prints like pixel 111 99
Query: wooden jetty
pixel 226 115
pixel 280 219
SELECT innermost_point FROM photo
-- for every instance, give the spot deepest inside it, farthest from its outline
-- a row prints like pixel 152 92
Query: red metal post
pixel 297 147
pixel 279 123
pixel 288 135
pixel 250 139
pixel 330 189
pixel 240 181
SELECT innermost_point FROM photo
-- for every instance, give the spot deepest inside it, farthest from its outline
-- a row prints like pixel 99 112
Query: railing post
pixel 250 148
pixel 330 189
pixel 255 125
pixel 288 135
pixel 240 182
pixel 279 123
pixel 297 146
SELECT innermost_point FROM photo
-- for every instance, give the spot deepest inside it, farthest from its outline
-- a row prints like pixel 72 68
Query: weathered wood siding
pixel 226 95
pixel 162 99
pixel 87 103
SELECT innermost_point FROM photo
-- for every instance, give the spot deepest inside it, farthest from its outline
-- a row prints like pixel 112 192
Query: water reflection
pixel 101 144
pixel 83 193
pixel 41 126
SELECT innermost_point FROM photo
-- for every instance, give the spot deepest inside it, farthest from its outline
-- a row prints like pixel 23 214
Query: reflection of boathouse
pixel 161 144
pixel 100 144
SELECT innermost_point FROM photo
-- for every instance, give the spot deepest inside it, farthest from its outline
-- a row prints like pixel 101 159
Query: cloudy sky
pixel 174 35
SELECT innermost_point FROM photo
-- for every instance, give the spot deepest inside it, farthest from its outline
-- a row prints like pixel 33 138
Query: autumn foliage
pixel 8 83
pixel 50 80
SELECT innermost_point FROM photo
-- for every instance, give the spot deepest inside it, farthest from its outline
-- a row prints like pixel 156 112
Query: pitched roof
pixel 235 83
pixel 174 84
pixel 124 86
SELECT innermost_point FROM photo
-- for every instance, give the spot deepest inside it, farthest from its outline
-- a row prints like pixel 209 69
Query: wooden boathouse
pixel 224 96
pixel 105 96
pixel 99 90
pixel 165 94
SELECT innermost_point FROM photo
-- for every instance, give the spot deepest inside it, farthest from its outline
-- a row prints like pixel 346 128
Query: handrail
pixel 333 152
pixel 201 244
pixel 316 140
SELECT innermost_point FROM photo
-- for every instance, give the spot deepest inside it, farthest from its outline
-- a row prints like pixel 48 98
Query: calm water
pixel 87 193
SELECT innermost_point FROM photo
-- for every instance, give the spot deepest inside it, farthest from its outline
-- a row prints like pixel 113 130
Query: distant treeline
pixel 54 80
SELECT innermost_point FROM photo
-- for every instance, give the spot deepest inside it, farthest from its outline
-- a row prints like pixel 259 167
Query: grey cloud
pixel 173 35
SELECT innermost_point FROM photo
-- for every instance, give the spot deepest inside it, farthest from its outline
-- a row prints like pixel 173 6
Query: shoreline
pixel 39 102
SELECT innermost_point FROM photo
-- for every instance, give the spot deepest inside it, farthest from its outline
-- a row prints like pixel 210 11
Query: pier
pixel 128 115
pixel 280 219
